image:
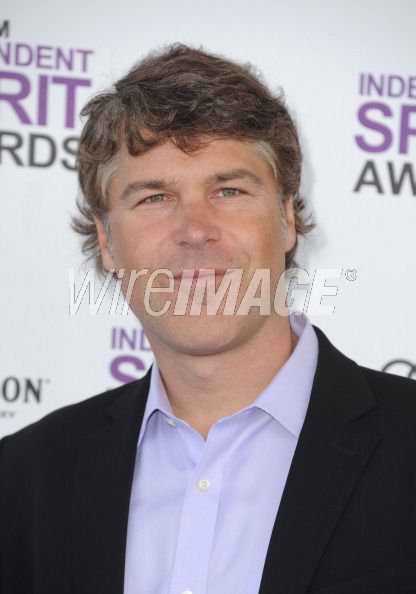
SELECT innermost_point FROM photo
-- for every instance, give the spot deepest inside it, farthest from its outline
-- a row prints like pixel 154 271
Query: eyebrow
pixel 220 177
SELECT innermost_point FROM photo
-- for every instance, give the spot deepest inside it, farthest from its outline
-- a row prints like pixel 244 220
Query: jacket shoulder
pixel 390 387
pixel 338 372
pixel 68 422
pixel 394 417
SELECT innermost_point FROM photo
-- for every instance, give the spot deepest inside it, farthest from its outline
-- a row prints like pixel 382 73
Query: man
pixel 253 456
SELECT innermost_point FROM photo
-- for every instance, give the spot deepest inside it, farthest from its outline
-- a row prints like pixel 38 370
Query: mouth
pixel 195 273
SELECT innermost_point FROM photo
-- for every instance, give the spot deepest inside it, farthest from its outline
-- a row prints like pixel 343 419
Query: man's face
pixel 215 208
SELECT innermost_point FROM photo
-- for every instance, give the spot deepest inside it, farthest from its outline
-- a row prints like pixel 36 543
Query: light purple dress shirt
pixel 202 512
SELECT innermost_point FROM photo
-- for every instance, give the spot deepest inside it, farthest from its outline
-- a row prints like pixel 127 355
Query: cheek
pixel 267 236
pixel 131 246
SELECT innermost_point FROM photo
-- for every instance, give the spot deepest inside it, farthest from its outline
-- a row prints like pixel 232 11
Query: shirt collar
pixel 286 398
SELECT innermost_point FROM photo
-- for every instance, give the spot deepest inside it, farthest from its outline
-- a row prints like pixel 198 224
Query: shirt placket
pixel 199 514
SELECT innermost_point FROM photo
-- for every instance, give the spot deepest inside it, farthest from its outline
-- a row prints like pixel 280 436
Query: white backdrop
pixel 55 55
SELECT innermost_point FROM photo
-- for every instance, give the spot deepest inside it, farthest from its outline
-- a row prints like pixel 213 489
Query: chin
pixel 205 335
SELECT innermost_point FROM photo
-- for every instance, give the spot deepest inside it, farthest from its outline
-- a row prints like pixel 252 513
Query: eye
pixel 152 199
pixel 230 192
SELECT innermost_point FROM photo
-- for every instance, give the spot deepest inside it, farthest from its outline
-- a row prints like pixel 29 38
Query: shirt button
pixel 171 422
pixel 203 485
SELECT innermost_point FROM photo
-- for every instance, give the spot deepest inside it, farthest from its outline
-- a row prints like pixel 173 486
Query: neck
pixel 218 385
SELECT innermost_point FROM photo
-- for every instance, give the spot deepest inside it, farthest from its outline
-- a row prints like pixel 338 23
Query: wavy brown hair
pixel 185 95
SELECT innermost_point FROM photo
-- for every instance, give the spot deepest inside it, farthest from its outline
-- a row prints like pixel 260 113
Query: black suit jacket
pixel 346 523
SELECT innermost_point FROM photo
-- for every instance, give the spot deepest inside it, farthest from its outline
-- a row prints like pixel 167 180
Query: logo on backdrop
pixel 131 349
pixel 20 391
pixel 41 89
pixel 401 367
pixel 386 120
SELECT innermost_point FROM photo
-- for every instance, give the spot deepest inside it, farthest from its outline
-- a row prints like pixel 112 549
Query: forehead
pixel 214 154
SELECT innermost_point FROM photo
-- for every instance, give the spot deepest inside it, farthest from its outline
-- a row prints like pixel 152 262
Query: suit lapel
pixel 329 458
pixel 102 491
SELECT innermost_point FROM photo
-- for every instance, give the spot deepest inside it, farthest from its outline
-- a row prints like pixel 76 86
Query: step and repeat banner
pixel 349 76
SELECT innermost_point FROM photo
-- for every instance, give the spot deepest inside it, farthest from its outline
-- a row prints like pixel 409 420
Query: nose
pixel 195 225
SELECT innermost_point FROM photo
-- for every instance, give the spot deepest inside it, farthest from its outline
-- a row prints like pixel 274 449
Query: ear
pixel 106 256
pixel 290 223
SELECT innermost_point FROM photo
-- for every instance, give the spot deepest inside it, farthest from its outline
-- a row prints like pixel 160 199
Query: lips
pixel 200 273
